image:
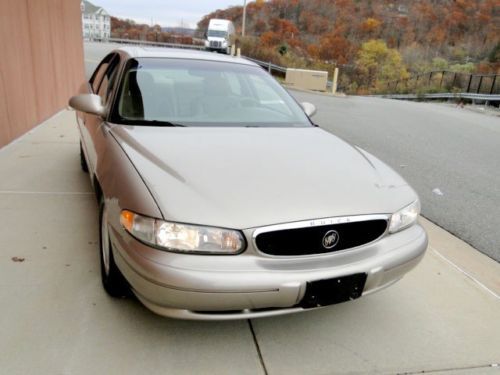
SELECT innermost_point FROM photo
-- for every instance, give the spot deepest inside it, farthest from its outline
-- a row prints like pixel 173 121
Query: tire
pixel 83 161
pixel 113 281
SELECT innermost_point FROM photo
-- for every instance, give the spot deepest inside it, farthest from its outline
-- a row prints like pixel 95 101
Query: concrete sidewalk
pixel 56 318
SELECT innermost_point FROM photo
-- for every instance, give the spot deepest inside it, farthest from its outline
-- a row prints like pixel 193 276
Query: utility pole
pixel 244 18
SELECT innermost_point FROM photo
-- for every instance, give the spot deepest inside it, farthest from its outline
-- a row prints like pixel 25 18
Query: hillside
pixel 409 36
pixel 128 29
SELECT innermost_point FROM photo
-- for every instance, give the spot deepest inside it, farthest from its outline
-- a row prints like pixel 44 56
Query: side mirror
pixel 88 103
pixel 309 109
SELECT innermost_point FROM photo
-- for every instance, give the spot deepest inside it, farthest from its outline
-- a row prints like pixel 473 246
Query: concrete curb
pixel 478 267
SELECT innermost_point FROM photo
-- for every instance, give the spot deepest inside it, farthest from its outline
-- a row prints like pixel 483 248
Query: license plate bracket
pixel 332 291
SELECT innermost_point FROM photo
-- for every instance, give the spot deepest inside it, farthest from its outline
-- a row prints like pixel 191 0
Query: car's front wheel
pixel 112 279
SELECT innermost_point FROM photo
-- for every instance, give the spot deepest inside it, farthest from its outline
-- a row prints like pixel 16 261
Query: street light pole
pixel 244 18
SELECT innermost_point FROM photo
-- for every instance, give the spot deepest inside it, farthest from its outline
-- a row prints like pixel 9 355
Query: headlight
pixel 183 238
pixel 404 217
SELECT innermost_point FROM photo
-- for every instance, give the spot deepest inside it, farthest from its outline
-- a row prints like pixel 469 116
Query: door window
pixel 108 80
pixel 99 72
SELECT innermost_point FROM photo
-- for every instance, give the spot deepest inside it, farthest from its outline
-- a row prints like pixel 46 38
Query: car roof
pixel 176 53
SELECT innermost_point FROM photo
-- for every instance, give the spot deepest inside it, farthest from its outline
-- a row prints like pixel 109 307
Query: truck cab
pixel 220 36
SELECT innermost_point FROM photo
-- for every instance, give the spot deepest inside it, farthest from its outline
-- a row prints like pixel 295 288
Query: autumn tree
pixel 377 63
pixel 270 39
pixel 371 26
pixel 282 32
pixel 284 28
pixel 335 47
pixel 260 27
pixel 312 23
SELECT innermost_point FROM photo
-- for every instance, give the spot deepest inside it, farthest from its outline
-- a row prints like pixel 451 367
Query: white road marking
pixel 465 273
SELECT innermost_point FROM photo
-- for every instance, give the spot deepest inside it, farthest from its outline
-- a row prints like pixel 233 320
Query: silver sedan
pixel 220 199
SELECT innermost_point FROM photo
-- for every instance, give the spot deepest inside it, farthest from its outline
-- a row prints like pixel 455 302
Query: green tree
pixel 463 68
pixel 376 63
pixel 438 63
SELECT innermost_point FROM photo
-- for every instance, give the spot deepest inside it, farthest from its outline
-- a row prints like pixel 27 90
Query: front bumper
pixel 217 49
pixel 251 285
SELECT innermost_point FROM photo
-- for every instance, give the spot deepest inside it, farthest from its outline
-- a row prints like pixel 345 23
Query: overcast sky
pixel 164 12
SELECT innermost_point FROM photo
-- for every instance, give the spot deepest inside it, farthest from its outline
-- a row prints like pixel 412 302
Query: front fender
pixel 121 184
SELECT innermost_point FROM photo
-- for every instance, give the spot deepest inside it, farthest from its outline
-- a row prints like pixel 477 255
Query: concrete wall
pixel 41 61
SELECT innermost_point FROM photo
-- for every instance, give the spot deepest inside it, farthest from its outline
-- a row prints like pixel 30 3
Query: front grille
pixel 215 44
pixel 320 239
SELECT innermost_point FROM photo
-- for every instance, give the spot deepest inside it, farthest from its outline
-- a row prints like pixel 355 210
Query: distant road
pixel 451 156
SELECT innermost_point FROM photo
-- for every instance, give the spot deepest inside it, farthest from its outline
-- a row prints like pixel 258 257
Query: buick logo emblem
pixel 330 239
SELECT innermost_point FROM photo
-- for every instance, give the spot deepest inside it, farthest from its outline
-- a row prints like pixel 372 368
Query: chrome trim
pixel 319 223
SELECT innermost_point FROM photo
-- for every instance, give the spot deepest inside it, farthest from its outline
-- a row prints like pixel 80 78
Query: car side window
pixel 109 79
pixel 96 79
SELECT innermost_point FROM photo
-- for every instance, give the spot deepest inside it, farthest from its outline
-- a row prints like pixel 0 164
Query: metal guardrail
pixel 268 65
pixel 445 95
pixel 153 44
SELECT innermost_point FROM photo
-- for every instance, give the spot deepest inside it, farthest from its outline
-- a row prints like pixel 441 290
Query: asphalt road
pixel 450 155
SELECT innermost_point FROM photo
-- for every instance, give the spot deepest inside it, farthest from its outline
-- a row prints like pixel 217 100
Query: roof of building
pixel 89 8
pixel 175 53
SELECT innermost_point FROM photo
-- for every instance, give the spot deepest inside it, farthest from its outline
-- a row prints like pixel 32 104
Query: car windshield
pixel 217 33
pixel 156 91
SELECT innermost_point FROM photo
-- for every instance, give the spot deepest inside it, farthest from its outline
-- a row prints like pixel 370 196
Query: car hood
pixel 249 177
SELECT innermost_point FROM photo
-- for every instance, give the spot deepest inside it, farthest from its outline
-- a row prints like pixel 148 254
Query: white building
pixel 95 21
